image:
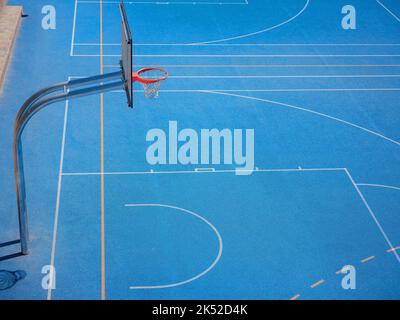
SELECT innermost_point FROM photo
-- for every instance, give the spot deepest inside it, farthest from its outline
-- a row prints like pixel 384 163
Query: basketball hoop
pixel 151 79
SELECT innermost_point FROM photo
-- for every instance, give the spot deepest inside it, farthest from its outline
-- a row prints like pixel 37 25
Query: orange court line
pixel 103 258
pixel 367 259
pixel 316 284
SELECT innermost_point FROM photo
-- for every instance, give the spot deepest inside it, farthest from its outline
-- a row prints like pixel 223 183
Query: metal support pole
pixel 70 90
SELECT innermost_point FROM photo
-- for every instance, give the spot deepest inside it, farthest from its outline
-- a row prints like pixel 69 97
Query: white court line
pixel 230 93
pixel 248 55
pixel 152 172
pixel 259 66
pixel 203 273
pixel 377 186
pixel 167 2
pixel 285 76
pixel 291 90
pixel 220 91
pixel 235 91
pixel 58 200
pixel 73 29
pixel 98 44
pixel 309 111
pixel 204 169
pixel 271 90
pixel 387 9
pixel 260 31
pixel 263 55
pixel 247 44
pixel 391 247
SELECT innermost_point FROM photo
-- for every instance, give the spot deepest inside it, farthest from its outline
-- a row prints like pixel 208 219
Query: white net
pixel 151 90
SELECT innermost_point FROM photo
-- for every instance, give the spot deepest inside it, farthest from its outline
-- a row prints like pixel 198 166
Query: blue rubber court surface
pixel 325 192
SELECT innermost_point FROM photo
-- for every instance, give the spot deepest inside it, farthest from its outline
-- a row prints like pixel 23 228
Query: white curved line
pixel 377 186
pixel 306 110
pixel 220 243
pixel 257 32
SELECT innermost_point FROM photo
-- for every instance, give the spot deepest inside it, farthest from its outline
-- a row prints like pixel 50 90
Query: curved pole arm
pixel 33 105
pixel 35 97
pixel 65 86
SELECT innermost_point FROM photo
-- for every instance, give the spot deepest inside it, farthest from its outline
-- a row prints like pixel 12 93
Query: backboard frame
pixel 126 54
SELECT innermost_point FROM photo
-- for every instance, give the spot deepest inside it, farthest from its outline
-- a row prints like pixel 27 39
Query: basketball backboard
pixel 126 54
